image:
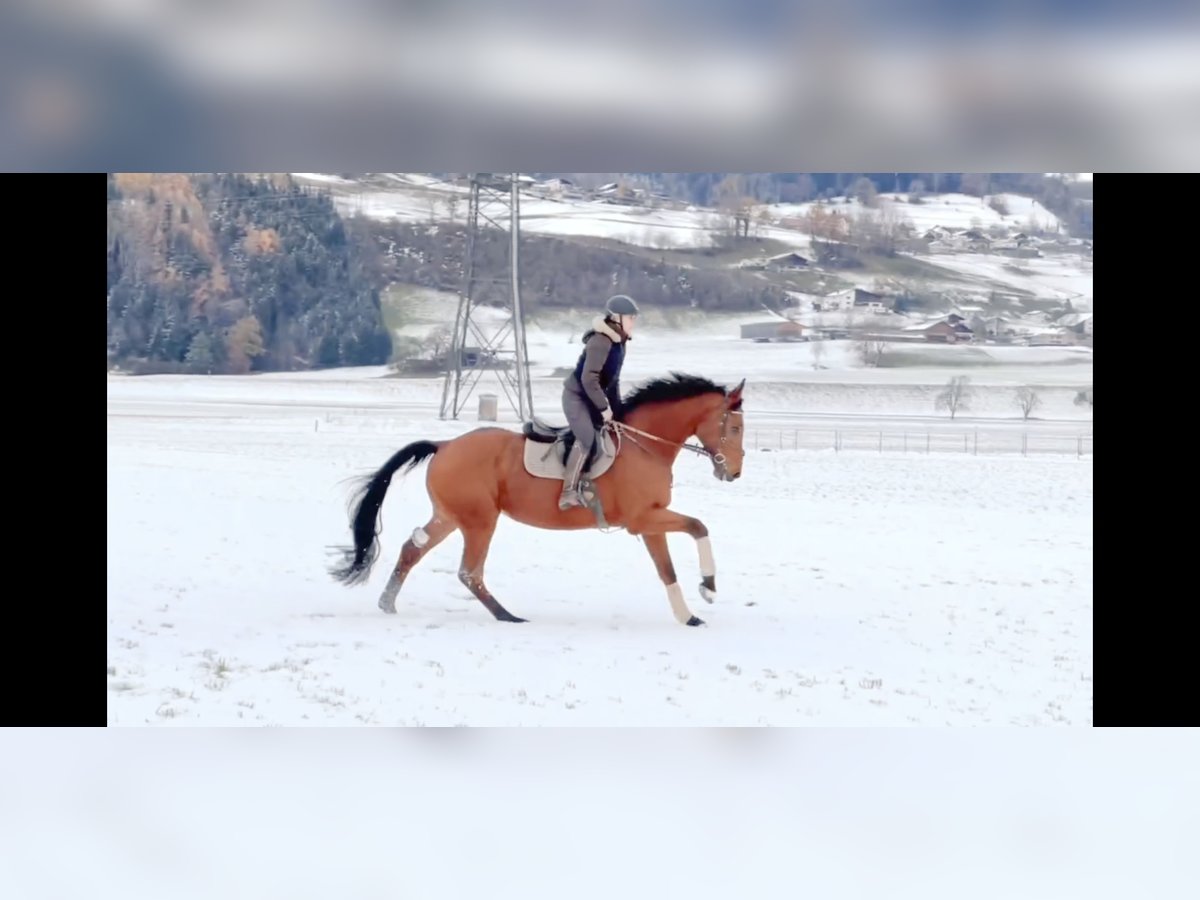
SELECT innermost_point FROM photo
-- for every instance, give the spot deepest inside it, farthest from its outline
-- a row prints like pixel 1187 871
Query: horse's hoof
pixel 509 617
pixel 694 621
pixel 707 595
pixel 388 606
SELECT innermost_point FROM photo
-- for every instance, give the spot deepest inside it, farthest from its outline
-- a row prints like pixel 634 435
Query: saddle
pixel 547 446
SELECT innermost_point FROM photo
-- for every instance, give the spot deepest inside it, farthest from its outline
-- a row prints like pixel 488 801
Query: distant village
pixel 837 317
pixel 857 313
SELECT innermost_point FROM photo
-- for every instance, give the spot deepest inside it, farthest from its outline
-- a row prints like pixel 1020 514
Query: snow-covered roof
pixel 1071 319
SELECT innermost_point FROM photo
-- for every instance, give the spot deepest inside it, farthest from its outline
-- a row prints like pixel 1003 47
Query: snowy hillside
pixel 940 210
pixel 666 225
pixel 412 198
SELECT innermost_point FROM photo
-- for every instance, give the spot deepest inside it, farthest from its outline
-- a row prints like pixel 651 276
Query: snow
pixel 959 211
pixel 963 211
pixel 1057 277
pixel 990 814
pixel 326 178
pixel 661 228
pixel 422 198
pixel 856 588
pixel 656 349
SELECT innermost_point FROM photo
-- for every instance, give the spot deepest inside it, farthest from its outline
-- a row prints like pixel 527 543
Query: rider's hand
pixel 606 414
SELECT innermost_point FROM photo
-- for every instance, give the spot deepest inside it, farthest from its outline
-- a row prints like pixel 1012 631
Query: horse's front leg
pixel 658 523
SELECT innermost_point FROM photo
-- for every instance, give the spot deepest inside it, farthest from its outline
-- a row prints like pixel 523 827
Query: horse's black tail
pixel 367 502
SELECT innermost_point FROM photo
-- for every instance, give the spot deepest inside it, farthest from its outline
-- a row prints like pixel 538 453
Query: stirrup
pixel 591 499
pixel 569 499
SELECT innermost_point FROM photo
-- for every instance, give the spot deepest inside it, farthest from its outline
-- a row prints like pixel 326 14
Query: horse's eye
pixel 736 430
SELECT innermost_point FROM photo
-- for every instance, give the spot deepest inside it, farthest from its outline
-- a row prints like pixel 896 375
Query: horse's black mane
pixel 677 387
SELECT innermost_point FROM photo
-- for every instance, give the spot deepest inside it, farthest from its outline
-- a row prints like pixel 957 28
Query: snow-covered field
pixel 658 228
pixel 796 383
pixel 1056 277
pixel 592 814
pixel 855 588
pixel 947 210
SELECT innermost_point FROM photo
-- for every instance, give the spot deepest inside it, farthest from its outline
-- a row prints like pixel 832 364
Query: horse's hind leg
pixel 476 540
pixel 422 541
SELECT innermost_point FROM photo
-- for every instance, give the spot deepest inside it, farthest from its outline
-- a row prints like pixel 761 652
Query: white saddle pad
pixel 545 460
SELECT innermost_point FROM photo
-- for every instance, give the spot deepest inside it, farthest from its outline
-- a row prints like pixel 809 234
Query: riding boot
pixel 570 492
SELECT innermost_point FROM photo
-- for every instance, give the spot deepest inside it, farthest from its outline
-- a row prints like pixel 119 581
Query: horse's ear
pixel 735 396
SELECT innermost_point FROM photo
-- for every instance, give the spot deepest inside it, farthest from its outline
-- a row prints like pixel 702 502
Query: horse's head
pixel 721 433
pixel 681 406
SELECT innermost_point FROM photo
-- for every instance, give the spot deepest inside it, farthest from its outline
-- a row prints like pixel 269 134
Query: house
pixel 1023 252
pixel 976 240
pixel 945 332
pixel 995 327
pixel 778 330
pixel 553 188
pixel 480 357
pixel 838 301
pixel 837 254
pixel 854 299
pixel 1054 339
pixel 872 302
pixel 788 262
pixel 1079 324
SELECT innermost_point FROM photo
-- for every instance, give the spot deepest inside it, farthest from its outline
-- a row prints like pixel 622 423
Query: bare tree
pixel 878 231
pixel 437 343
pixel 452 201
pixel 864 191
pixel 818 350
pixel 736 203
pixel 802 191
pixel 956 396
pixel 822 223
pixel 762 220
pixel 1027 400
pixel 850 321
pixel 871 350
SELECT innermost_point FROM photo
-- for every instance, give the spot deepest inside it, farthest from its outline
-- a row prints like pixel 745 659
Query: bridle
pixel 718 457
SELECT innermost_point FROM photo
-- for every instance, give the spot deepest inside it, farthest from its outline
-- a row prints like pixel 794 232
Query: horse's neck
pixel 674 422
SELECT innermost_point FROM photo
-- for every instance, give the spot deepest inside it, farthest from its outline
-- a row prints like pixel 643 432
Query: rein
pixel 718 457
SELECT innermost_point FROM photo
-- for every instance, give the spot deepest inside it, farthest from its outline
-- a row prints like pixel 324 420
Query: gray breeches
pixel 579 417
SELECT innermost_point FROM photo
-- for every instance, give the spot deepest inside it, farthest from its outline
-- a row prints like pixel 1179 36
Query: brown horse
pixel 474 478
